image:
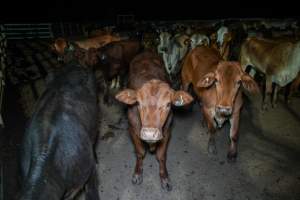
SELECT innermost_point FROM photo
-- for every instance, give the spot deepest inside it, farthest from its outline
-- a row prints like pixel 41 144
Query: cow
pixel 62 45
pixel 279 61
pixel 149 98
pixel 114 59
pixel 221 41
pixel 150 40
pixel 217 83
pixel 58 158
pixel 198 39
pixel 175 52
pixel 164 41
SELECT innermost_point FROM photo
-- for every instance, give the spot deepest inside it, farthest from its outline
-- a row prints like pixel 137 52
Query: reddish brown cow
pixel 114 59
pixel 217 84
pixel 149 97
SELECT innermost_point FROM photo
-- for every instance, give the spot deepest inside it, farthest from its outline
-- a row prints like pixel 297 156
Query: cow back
pixel 145 67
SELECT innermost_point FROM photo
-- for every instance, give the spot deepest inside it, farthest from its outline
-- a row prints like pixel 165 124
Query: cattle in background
pixel 164 42
pixel 175 52
pixel 198 39
pixel 62 45
pixel 114 59
pixel 279 61
pixel 150 40
pixel 58 157
pixel 221 41
pixel 218 84
pixel 149 97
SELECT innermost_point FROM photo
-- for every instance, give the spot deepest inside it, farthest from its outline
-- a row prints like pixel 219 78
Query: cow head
pixel 154 101
pixel 177 49
pixel 199 39
pixel 164 40
pixel 227 80
pixel 60 47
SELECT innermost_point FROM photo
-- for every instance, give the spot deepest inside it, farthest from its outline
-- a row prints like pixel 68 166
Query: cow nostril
pixel 224 110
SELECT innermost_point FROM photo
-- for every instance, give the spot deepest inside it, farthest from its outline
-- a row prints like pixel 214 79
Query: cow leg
pixel 118 82
pixel 293 88
pixel 134 129
pixel 161 158
pixel 234 127
pixel 113 83
pixel 137 178
pixel 268 93
pixel 275 96
pixel 91 190
pixel 287 93
pixel 106 91
pixel 211 147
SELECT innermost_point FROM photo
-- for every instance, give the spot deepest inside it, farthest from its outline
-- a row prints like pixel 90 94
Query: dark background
pixel 86 10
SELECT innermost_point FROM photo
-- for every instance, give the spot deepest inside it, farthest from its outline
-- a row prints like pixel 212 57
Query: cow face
pixel 154 101
pixel 199 39
pixel 227 79
pixel 60 47
pixel 164 40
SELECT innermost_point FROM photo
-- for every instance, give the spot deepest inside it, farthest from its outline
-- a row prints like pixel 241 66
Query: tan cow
pixel 218 84
pixel 278 60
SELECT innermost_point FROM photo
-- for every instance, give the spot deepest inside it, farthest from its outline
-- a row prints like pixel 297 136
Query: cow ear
pixel 181 98
pixel 187 42
pixel 207 80
pixel 127 96
pixel 249 84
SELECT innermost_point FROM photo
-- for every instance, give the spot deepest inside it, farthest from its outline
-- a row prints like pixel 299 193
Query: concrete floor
pixel 268 164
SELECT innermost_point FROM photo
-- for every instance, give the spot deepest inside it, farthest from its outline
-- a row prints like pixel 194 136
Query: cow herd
pixel 153 74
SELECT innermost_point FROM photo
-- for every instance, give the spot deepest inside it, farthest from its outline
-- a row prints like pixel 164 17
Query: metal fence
pixel 27 31
pixel 3 45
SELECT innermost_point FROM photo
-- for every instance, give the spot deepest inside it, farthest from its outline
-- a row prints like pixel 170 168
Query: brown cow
pixel 278 60
pixel 149 97
pixel 61 45
pixel 217 84
pixel 114 59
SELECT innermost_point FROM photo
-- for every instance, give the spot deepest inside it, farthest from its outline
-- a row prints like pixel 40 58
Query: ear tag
pixel 180 102
pixel 207 79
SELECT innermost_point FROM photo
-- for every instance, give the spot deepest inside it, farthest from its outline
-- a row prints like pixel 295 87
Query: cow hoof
pixel 275 105
pixel 231 157
pixel 265 107
pixel 166 184
pixel 211 148
pixel 137 179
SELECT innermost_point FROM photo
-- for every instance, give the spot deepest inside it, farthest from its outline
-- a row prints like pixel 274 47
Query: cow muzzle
pixel 151 135
pixel 224 111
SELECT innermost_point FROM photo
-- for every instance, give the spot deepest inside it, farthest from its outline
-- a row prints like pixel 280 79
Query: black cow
pixel 58 157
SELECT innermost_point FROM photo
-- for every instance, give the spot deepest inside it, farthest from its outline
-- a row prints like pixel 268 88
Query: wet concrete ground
pixel 268 164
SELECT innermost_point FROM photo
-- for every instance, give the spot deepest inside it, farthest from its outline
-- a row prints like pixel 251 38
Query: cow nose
pixel 224 110
pixel 151 135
